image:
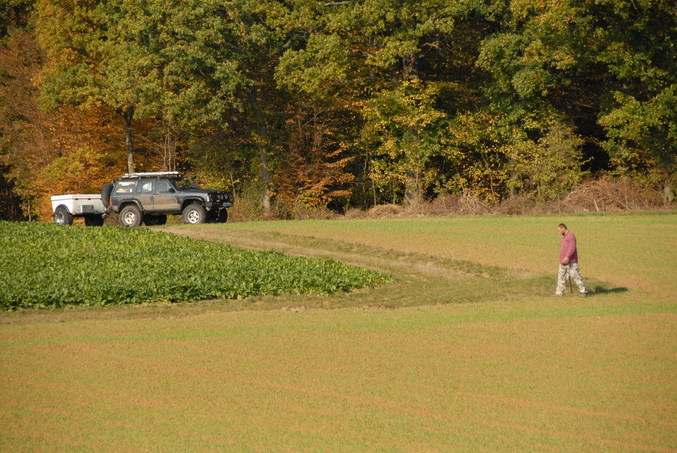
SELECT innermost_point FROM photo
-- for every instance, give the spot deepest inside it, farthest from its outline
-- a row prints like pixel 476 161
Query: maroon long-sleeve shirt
pixel 568 249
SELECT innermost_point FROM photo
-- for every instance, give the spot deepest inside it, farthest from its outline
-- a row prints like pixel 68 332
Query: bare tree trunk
pixel 128 115
pixel 412 182
pixel 169 149
pixel 412 189
pixel 262 142
pixel 668 192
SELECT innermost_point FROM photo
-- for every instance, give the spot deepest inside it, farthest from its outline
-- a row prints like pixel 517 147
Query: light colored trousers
pixel 569 270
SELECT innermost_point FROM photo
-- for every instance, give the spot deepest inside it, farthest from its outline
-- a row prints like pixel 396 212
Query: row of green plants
pixel 44 265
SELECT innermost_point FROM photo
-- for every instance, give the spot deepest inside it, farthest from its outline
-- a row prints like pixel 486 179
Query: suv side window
pixel 163 186
pixel 125 187
pixel 147 186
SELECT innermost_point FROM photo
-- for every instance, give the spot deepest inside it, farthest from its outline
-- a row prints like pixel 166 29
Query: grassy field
pixel 476 356
pixel 631 250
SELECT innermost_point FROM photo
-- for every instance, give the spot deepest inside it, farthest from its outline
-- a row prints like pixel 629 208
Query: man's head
pixel 562 228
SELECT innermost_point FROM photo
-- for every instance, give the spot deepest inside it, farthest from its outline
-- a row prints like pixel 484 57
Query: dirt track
pixel 358 255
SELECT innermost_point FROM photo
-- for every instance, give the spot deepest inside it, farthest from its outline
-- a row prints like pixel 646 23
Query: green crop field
pixel 463 351
pixel 44 265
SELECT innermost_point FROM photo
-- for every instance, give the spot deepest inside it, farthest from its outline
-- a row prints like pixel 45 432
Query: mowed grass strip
pixel 43 265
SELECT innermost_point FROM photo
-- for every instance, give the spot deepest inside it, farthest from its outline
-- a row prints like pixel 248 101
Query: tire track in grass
pixel 373 258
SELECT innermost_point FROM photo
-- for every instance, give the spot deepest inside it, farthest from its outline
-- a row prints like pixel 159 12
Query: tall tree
pixel 606 67
pixel 48 153
pixel 140 59
pixel 381 57
pixel 13 14
pixel 638 112
pixel 25 136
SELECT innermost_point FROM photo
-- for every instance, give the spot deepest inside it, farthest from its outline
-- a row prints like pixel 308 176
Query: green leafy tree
pixel 478 147
pixel 171 61
pixel 638 113
pixel 14 13
pixel 385 60
pixel 402 126
pixel 549 168
pixel 607 66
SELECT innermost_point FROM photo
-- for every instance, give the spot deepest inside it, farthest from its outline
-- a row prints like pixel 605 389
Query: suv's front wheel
pixel 130 216
pixel 194 213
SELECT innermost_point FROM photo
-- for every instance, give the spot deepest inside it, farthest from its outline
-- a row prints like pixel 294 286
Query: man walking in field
pixel 568 262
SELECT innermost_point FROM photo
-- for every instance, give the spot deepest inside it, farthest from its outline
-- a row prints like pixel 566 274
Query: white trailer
pixel 87 205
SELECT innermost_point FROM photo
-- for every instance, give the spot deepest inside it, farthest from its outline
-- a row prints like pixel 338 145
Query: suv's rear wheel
pixel 194 213
pixel 130 216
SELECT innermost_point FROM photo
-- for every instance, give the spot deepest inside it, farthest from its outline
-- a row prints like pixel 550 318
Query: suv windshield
pixel 184 184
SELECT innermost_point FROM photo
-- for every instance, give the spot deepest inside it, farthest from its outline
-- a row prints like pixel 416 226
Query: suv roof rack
pixel 150 174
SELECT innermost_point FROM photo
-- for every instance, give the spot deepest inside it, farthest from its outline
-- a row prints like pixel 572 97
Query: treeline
pixel 337 103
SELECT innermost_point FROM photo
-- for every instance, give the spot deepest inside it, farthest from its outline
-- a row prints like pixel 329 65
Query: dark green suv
pixel 149 197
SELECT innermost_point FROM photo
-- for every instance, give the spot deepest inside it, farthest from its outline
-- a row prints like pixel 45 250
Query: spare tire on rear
pixel 105 194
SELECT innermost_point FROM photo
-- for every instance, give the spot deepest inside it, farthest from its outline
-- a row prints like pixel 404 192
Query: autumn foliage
pixel 339 105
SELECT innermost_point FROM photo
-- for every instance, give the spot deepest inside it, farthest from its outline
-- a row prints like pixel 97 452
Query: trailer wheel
pixel 222 217
pixel 93 220
pixel 62 216
pixel 130 216
pixel 194 213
